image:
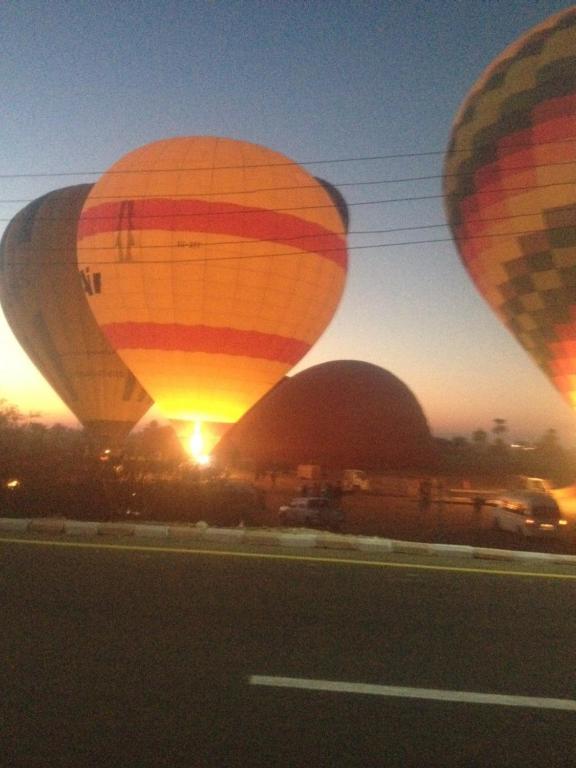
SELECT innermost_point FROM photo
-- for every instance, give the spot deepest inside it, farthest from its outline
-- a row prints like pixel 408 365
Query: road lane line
pixel 430 694
pixel 168 550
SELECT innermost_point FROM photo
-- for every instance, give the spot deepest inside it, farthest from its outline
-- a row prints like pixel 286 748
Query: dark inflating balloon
pixel 345 413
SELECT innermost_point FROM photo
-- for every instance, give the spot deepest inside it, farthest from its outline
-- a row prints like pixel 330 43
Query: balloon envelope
pixel 219 263
pixel 45 305
pixel 510 192
pixel 344 413
pixel 339 201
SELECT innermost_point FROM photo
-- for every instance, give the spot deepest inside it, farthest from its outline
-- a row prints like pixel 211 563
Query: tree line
pixel 489 453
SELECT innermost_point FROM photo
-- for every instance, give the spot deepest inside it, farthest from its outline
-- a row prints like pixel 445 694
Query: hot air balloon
pixel 510 193
pixel 215 264
pixel 339 201
pixel 344 413
pixel 45 305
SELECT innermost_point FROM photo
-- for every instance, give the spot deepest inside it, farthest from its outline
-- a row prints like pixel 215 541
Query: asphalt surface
pixel 144 657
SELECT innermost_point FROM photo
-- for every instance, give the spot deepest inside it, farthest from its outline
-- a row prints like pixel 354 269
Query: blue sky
pixel 83 83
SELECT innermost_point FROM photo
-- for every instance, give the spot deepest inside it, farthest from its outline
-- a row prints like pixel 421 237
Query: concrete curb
pixel 10 524
pixel 79 528
pixel 152 531
pixel 47 525
pixel 297 538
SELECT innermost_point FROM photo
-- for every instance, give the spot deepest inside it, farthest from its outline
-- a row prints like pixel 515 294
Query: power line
pixel 205 260
pixel 388 230
pixel 356 232
pixel 263 255
pixel 413 198
pixel 338 185
pixel 244 257
pixel 353 159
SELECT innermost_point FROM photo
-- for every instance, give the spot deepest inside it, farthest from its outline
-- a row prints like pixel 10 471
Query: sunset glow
pixel 409 306
pixel 197 445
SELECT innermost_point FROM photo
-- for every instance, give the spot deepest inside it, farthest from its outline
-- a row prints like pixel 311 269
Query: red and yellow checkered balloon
pixel 213 265
pixel 510 192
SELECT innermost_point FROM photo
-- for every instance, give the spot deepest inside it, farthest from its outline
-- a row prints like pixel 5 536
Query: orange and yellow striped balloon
pixel 510 192
pixel 213 265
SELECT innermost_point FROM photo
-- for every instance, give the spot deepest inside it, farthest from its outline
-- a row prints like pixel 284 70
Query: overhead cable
pixel 356 159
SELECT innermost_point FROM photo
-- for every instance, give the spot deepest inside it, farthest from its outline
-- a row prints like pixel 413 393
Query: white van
pixel 525 483
pixel 527 513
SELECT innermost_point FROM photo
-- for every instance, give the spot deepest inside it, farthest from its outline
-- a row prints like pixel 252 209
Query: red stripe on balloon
pixel 560 107
pixel 516 170
pixel 173 337
pixel 214 218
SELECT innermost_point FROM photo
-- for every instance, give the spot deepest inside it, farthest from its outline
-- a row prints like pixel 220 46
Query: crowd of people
pixel 332 491
pixel 433 493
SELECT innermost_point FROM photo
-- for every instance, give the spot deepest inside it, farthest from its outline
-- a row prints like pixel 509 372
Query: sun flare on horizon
pixel 197 446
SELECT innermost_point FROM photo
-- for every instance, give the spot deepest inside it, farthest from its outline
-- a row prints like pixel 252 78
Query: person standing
pixel 440 495
pixel 424 496
pixel 477 505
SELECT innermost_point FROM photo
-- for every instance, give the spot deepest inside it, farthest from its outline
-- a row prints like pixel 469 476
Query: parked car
pixel 311 510
pixel 528 514
pixel 355 480
pixel 311 472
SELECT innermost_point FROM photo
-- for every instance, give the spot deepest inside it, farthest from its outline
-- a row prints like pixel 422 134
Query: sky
pixel 370 85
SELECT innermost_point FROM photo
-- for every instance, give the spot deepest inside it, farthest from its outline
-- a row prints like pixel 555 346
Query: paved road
pixel 138 657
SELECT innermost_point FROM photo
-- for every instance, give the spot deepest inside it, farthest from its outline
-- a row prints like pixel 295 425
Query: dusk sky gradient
pixel 84 83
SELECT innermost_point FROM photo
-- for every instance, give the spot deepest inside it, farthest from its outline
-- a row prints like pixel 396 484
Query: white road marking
pixel 431 694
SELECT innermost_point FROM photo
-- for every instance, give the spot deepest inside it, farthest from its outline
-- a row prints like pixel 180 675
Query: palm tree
pixel 498 430
pixel 479 438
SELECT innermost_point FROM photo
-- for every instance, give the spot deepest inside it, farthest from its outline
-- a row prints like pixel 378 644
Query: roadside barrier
pixel 276 537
